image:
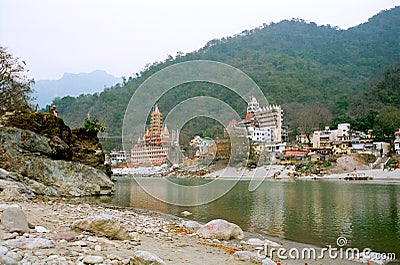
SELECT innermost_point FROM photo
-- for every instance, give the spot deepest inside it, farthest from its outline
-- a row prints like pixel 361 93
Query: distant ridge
pixel 72 85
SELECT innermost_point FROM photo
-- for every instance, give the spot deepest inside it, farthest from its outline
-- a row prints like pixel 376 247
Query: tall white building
pixel 265 124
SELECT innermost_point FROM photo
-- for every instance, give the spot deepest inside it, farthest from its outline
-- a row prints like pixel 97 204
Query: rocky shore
pixel 58 231
pixel 40 155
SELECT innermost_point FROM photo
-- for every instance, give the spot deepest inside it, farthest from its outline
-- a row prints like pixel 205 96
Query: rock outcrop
pixel 39 151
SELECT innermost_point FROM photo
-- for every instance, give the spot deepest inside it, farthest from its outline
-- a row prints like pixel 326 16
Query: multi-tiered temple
pixel 152 148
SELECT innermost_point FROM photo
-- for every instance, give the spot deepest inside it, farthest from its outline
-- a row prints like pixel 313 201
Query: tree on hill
pixel 15 86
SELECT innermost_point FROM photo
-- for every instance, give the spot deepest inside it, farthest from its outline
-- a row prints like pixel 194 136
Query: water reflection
pixel 368 215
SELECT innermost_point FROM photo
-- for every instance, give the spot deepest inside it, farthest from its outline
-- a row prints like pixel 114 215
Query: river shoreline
pixel 161 234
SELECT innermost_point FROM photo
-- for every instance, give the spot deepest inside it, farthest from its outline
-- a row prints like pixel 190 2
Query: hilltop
pixel 296 63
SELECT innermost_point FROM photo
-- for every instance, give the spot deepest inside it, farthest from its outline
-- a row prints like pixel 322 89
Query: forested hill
pixel 296 63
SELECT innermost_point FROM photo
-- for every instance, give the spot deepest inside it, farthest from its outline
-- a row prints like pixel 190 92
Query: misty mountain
pixel 72 85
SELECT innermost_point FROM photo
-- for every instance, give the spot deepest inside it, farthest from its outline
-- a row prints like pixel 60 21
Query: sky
pixel 122 36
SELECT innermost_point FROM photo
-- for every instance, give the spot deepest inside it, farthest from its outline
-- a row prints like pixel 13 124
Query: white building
pixel 267 122
pixel 397 143
pixel 260 135
pixel 324 138
pixel 118 157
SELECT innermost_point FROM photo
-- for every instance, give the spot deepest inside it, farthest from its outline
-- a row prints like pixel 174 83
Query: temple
pixel 152 148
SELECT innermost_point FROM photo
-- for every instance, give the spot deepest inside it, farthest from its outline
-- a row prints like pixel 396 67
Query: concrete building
pixel 265 124
pixel 325 138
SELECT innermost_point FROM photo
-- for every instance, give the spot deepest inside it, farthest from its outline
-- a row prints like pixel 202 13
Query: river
pixel 314 212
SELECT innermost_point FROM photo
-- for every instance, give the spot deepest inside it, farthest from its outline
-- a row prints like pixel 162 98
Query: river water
pixel 314 212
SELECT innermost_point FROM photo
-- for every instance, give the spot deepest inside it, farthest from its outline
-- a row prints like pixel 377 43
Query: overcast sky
pixel 121 36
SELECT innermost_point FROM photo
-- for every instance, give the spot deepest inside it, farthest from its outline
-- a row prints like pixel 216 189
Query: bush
pixel 93 126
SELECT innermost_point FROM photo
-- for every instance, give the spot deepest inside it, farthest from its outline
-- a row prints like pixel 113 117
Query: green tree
pixel 387 122
pixel 15 86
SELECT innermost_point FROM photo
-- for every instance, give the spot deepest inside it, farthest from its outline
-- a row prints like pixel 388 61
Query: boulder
pixel 142 257
pixel 13 219
pixel 29 243
pixel 220 229
pixel 103 224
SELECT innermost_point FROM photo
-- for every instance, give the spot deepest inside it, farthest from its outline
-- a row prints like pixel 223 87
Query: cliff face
pixel 39 151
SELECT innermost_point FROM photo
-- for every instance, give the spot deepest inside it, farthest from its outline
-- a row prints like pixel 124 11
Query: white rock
pixel 186 213
pixel 97 248
pixel 93 259
pixel 41 229
pixel 255 242
pixel 141 257
pixel 220 229
pixel 134 236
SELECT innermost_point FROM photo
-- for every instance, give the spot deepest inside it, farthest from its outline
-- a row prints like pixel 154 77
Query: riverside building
pixel 152 148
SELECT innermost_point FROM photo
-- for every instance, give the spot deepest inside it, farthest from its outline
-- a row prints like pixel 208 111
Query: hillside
pixel 72 85
pixel 296 64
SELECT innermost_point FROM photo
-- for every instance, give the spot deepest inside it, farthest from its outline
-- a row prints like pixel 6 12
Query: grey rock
pixel 103 224
pixel 7 236
pixel 3 250
pixel 13 219
pixel 15 255
pixel 7 260
pixel 220 229
pixel 142 257
pixel 29 243
pixel 191 226
pixel 93 259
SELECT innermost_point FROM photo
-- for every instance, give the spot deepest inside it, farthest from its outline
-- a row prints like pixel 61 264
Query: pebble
pixel 97 248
